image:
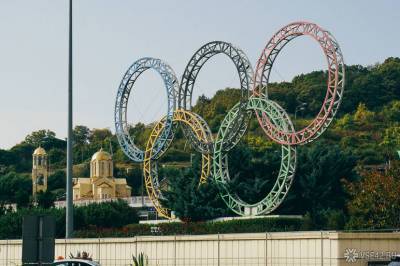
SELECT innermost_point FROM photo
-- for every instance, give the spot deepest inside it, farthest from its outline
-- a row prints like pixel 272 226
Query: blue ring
pixel 120 114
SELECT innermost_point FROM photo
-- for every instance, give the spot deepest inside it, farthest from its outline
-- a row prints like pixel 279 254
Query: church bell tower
pixel 40 171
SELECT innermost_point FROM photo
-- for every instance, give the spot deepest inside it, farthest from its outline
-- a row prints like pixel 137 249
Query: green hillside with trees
pixel 346 179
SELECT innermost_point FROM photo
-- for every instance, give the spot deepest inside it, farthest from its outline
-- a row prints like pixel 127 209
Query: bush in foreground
pixel 114 214
pixel 258 225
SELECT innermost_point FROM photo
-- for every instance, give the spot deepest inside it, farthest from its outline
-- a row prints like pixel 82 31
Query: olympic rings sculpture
pixel 273 119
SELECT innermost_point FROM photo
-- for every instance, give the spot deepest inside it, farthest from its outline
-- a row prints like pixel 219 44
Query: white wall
pixel 292 248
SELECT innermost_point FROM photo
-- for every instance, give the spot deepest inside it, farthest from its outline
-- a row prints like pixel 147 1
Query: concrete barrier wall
pixel 291 248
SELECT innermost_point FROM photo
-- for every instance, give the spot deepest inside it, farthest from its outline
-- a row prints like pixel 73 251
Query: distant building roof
pixel 101 156
pixel 39 151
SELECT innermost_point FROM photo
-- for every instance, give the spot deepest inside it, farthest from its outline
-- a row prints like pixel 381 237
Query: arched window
pixel 40 180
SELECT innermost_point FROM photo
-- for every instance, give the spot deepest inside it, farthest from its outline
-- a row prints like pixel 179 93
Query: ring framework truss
pixel 254 100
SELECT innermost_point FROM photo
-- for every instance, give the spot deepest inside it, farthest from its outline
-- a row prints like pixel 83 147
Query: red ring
pixel 335 83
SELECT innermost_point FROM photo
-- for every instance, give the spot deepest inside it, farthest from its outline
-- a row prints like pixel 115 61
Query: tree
pixel 81 141
pixel 23 152
pixel 7 161
pixel 54 143
pixel 390 73
pixel 7 157
pixel 45 199
pixel 100 138
pixel 107 215
pixel 81 135
pixel 391 112
pixel 22 199
pixel 37 138
pixel 311 89
pixel 353 91
pixel 391 141
pixel 120 157
pixel 99 135
pixel 318 184
pixel 55 149
pixel 57 157
pixel 253 168
pixel 363 117
pixel 12 185
pixel 214 110
pixel 201 104
pixel 56 180
pixel 140 133
pixel 375 201
pixel 346 122
pixel 285 95
pixel 190 201
pixel 134 178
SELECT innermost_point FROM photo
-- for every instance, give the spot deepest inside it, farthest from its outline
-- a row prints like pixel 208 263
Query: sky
pixel 110 35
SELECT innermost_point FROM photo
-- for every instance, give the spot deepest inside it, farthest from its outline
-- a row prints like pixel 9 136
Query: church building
pixel 101 184
pixel 40 171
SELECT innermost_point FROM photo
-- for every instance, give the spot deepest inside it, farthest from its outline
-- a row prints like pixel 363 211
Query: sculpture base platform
pixel 161 221
pixel 223 219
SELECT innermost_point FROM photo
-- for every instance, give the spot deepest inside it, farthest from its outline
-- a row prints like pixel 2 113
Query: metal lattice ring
pixel 335 83
pixel 121 126
pixel 281 120
pixel 190 74
pixel 150 171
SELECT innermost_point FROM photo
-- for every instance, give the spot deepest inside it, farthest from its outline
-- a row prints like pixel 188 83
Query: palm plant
pixel 140 260
pixel 81 255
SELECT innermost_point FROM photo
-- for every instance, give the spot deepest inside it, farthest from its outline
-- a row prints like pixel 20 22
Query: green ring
pixel 286 172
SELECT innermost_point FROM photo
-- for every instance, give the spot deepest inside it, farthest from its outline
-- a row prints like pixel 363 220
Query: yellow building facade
pixel 40 171
pixel 101 184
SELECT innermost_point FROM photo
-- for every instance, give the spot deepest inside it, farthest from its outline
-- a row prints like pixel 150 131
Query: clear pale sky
pixel 110 35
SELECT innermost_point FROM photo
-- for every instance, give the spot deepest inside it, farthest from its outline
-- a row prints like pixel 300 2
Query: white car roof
pixel 90 262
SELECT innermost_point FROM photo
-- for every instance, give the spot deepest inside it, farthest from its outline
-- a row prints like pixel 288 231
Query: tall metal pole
pixel 69 222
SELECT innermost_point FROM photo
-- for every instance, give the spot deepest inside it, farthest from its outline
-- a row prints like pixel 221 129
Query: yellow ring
pixel 150 166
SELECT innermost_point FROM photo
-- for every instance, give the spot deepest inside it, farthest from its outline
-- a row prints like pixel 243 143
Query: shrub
pixel 200 228
pixel 110 214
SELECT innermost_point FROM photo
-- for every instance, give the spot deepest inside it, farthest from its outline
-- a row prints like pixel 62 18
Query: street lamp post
pixel 69 226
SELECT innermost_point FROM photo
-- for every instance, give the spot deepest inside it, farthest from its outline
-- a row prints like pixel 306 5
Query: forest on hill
pixel 337 179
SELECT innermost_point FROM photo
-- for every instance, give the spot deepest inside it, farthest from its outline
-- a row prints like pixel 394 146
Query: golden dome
pixel 39 151
pixel 101 156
